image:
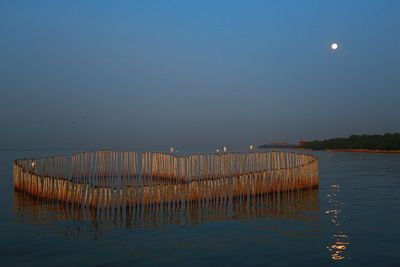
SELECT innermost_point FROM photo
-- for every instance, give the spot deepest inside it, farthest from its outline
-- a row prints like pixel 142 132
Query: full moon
pixel 334 46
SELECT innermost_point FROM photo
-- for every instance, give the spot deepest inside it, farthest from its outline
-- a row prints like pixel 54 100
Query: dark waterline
pixel 352 218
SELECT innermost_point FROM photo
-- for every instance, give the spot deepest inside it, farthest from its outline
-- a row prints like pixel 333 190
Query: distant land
pixel 389 141
pixel 357 143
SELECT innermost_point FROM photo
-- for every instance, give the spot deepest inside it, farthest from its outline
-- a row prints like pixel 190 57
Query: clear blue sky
pixel 196 74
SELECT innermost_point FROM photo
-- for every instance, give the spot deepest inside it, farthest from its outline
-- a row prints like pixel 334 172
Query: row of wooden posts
pixel 108 179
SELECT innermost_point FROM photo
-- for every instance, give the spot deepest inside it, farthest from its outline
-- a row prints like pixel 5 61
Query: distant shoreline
pixel 352 150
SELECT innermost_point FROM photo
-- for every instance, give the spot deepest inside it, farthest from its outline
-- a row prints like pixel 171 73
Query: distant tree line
pixel 374 142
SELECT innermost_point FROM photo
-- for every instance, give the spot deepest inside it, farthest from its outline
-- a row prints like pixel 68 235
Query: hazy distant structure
pixel 302 142
pixel 106 179
pixel 276 145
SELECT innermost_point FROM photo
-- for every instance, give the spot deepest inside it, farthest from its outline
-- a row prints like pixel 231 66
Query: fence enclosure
pixel 108 179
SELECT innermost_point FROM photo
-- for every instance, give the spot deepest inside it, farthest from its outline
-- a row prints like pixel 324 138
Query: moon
pixel 334 46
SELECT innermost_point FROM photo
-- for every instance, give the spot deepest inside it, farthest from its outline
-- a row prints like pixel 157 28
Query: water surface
pixel 353 218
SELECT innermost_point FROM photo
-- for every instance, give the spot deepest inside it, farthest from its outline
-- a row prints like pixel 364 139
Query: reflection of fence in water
pixel 282 206
pixel 108 179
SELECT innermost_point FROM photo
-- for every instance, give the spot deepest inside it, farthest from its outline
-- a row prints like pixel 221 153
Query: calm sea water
pixel 352 219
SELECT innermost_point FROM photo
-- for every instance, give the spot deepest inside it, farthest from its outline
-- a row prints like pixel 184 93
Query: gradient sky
pixel 196 74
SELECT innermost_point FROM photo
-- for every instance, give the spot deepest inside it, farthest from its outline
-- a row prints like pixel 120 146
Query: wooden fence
pixel 108 179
